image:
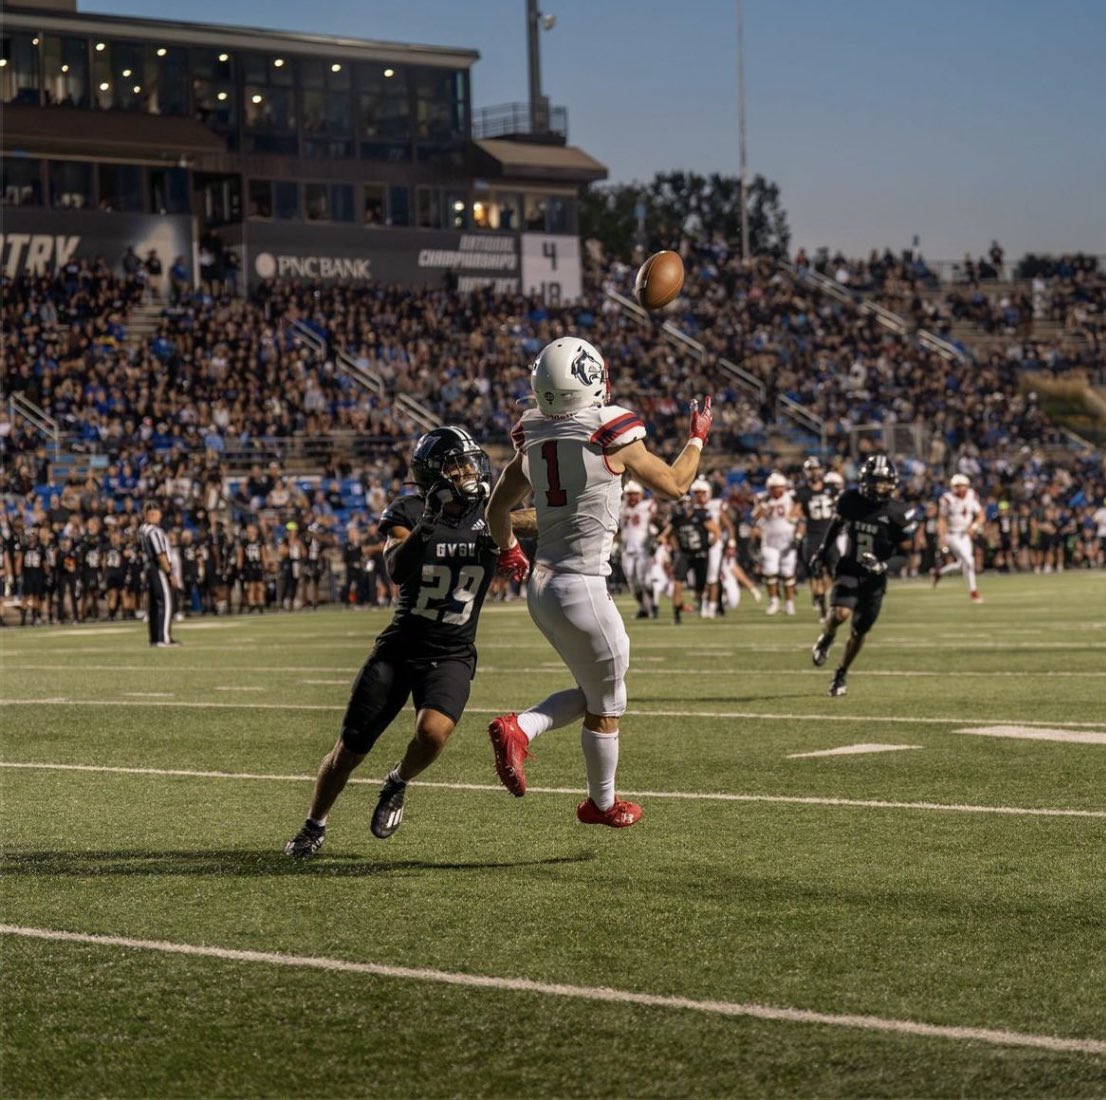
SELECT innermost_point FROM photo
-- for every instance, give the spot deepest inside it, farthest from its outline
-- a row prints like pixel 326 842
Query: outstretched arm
pixel 656 474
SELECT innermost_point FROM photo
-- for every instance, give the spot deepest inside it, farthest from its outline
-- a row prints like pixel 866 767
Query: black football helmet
pixel 813 469
pixel 878 477
pixel 452 453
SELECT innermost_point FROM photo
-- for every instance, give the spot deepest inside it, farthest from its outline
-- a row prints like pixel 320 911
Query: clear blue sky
pixel 957 120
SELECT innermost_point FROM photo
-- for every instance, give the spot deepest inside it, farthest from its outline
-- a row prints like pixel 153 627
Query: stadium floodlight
pixel 65 68
pixel 126 72
pixel 34 41
pixel 221 96
pixel 278 63
pixel 162 51
pixel 105 86
pixel 137 88
pixel 335 68
pixel 255 99
pixel 389 73
pixel 3 62
pixel 224 57
pixel 100 47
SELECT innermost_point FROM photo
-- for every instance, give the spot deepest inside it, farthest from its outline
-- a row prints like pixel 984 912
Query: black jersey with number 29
pixel 439 606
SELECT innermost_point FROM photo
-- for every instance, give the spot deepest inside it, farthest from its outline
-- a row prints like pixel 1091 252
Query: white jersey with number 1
pixel 576 493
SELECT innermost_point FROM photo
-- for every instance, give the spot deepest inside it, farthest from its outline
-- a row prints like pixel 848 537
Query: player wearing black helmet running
pixel 876 526
pixel 440 554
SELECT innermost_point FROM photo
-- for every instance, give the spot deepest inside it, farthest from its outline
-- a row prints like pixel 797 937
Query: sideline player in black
pixel 440 554
pixel 691 531
pixel 816 499
pixel 877 528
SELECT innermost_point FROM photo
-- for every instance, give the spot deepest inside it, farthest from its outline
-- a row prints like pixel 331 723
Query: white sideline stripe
pixel 61 700
pixel 240 687
pixel 501 670
pixel 994 1036
pixel 1028 733
pixel 495 788
pixel 148 694
pixel 851 750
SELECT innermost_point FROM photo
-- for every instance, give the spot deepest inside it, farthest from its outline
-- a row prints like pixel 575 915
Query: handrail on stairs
pixel 38 418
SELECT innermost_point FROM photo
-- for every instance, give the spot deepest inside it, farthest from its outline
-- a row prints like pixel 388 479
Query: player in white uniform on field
pixel 635 536
pixel 777 514
pixel 959 520
pixel 571 452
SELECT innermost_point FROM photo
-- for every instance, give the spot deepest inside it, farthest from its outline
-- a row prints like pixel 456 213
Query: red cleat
pixel 511 749
pixel 619 816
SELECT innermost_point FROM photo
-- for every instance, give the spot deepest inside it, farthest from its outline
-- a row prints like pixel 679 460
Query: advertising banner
pixel 551 267
pixel 35 242
pixel 414 257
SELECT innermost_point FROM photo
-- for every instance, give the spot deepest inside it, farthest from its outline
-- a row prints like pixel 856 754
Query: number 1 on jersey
pixel 555 496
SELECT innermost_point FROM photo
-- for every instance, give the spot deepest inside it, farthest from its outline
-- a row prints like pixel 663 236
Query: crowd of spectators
pixel 222 378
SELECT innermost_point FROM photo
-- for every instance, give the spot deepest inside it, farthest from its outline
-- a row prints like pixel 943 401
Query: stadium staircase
pixel 795 430
pixel 142 324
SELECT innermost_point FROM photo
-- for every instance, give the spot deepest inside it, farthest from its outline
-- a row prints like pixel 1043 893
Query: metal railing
pixel 38 418
pixel 504 119
pixel 786 408
pixel 942 347
pixel 834 289
pixel 369 379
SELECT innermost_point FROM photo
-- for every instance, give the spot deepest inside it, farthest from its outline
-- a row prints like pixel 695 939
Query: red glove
pixel 701 420
pixel 513 563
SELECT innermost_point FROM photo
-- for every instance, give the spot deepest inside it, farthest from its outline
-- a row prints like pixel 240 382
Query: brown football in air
pixel 659 280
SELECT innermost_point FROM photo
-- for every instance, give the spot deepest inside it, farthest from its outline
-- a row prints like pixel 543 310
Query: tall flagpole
pixel 741 132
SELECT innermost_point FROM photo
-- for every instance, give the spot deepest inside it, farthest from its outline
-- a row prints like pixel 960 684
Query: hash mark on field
pixel 495 788
pixel 149 694
pixel 240 687
pixel 994 1036
pixel 343 683
pixel 1029 733
pixel 851 750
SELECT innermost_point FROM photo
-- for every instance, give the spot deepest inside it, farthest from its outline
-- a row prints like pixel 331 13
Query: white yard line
pixel 993 1036
pixel 959 720
pixel 689 796
pixel 1033 733
pixel 531 669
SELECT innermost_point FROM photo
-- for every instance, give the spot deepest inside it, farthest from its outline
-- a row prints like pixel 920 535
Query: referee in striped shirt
pixel 159 603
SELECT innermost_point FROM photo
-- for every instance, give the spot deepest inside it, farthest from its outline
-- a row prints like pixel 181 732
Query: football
pixel 659 280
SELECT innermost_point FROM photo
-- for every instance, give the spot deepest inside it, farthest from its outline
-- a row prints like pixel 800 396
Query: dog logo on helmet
pixel 586 369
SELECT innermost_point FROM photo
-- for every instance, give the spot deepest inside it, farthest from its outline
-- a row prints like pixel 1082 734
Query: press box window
pixel 374 209
pixel 22 182
pixel 70 184
pixel 121 188
pixel 260 199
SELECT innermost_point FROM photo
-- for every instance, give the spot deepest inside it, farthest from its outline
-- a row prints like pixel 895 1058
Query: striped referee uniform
pixel 159 605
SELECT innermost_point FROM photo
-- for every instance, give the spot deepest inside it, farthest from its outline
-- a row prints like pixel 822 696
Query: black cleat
pixel 306 842
pixel 838 687
pixel 820 650
pixel 389 809
pixel 641 614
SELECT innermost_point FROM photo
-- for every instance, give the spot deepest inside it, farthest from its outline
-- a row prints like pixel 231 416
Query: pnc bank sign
pixel 269 266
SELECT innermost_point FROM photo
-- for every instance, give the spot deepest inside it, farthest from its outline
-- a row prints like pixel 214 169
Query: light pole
pixel 535 22
pixel 741 135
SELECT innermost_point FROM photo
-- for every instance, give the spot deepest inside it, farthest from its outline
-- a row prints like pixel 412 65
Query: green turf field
pixel 724 947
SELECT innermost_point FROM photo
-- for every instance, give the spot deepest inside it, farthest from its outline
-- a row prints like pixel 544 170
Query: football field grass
pixel 928 919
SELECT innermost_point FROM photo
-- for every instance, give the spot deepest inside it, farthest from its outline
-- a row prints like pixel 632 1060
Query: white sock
pixel 561 709
pixel 600 762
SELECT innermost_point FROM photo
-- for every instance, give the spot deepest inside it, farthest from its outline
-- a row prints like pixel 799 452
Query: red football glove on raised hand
pixel 513 563
pixel 701 420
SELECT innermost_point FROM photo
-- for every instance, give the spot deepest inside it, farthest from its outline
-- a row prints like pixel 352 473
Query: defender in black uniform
pixel 816 500
pixel 691 531
pixel 876 527
pixel 440 554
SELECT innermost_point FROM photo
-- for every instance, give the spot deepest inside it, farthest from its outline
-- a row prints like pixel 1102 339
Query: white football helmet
pixel 959 480
pixel 776 480
pixel 567 376
pixel 701 485
pixel 835 479
pixel 632 487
